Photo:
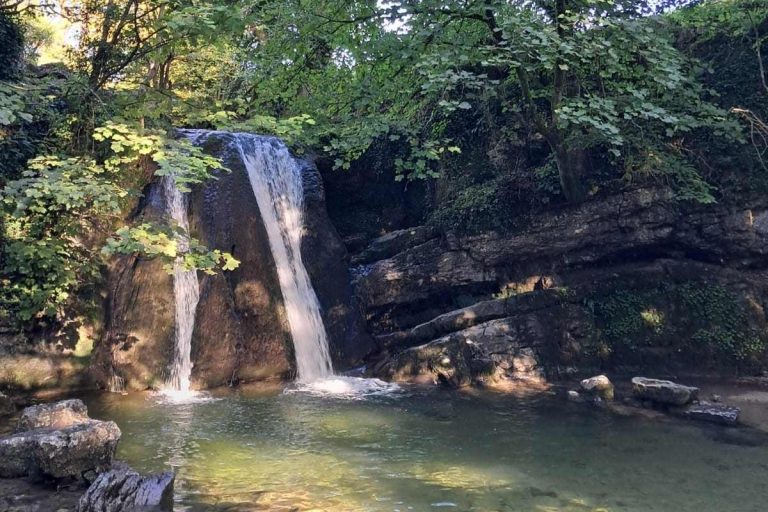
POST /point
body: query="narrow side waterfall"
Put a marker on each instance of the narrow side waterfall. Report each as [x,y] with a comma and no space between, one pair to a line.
[276,180]
[186,292]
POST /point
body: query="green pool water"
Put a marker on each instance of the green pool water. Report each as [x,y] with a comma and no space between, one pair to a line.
[435,450]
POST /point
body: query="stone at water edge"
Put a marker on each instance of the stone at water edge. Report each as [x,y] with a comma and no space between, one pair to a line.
[81,445]
[663,391]
[123,489]
[56,415]
[599,385]
[713,413]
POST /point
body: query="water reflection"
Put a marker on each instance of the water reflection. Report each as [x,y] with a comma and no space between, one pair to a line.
[430,451]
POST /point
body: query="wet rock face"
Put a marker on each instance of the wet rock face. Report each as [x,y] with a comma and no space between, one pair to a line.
[326,260]
[564,265]
[240,328]
[637,226]
[663,392]
[122,489]
[138,339]
[241,332]
[62,442]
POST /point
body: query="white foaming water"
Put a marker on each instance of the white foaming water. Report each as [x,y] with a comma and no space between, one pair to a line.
[276,181]
[186,292]
[352,388]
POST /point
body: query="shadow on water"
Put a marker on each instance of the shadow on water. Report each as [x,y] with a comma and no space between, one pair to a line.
[432,450]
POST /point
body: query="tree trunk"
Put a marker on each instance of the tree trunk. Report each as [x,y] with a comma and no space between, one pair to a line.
[570,166]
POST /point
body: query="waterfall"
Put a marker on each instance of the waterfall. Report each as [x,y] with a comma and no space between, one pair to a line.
[275,177]
[186,292]
[276,180]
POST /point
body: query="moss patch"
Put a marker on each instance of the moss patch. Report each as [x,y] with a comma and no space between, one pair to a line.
[700,323]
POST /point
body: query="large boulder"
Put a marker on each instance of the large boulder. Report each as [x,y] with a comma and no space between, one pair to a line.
[663,392]
[241,332]
[60,453]
[62,443]
[123,489]
[485,353]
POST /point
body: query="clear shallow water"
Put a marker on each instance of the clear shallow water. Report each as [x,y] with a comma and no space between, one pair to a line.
[431,450]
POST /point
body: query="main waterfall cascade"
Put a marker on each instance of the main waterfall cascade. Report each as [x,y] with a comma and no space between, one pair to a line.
[276,180]
[186,292]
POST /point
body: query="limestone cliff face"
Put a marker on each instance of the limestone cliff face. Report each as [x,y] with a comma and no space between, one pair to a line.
[628,280]
[240,332]
[138,339]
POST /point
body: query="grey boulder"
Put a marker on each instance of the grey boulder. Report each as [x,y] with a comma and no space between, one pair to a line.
[124,490]
[62,442]
[663,391]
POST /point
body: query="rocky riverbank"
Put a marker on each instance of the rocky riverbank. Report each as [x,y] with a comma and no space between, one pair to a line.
[634,282]
[58,458]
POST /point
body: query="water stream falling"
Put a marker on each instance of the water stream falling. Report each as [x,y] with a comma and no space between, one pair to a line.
[276,181]
[186,291]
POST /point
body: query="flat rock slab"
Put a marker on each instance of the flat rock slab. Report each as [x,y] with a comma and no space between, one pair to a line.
[56,415]
[123,489]
[663,391]
[713,413]
[60,453]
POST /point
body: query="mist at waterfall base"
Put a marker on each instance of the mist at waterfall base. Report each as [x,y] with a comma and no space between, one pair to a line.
[275,177]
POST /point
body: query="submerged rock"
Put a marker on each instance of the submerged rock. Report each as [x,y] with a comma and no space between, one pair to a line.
[663,391]
[713,413]
[599,386]
[123,489]
[61,442]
